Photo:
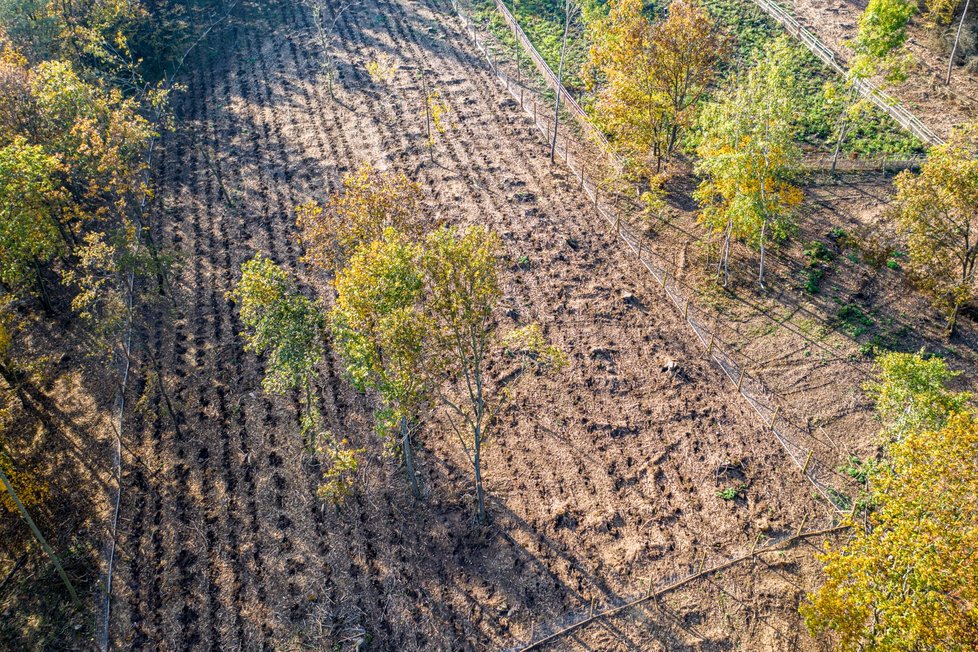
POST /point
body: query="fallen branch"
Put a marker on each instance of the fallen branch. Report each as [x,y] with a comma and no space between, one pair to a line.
[534,645]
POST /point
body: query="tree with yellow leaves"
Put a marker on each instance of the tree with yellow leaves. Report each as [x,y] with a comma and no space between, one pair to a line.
[654,76]
[461,279]
[905,580]
[370,202]
[748,156]
[937,213]
[379,330]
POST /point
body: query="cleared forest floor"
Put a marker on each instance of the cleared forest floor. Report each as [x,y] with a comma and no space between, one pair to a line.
[598,478]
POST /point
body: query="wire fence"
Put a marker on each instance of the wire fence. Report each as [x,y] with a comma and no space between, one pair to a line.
[885,102]
[543,634]
[816,457]
[882,163]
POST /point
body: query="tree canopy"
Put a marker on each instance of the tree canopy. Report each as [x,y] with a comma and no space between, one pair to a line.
[937,214]
[748,156]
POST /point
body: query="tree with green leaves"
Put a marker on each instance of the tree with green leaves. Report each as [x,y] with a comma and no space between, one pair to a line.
[30,198]
[905,578]
[937,214]
[284,326]
[370,202]
[379,330]
[911,394]
[462,290]
[748,156]
[878,52]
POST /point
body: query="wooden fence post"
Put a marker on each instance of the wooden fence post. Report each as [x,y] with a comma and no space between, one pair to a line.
[801,527]
[808,460]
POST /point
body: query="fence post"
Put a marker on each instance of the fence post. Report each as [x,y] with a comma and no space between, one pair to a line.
[808,461]
[801,527]
[740,381]
[774,416]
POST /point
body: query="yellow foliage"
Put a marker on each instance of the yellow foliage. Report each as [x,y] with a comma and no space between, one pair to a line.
[370,202]
[937,213]
[908,581]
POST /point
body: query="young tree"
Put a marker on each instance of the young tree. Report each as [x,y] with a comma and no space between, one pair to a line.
[937,213]
[748,156]
[630,104]
[912,395]
[326,33]
[906,581]
[560,76]
[957,40]
[436,114]
[285,326]
[379,330]
[370,202]
[878,49]
[30,198]
[655,75]
[688,50]
[461,291]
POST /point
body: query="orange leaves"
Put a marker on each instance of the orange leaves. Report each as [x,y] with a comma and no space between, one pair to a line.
[371,201]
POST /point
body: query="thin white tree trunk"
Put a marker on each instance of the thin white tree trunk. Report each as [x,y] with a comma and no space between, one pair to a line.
[40,537]
[957,38]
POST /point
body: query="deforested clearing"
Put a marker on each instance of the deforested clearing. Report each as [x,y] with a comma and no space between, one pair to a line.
[369,354]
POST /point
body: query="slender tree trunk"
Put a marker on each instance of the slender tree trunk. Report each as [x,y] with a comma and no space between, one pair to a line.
[673,137]
[957,38]
[560,80]
[408,452]
[310,426]
[480,495]
[42,289]
[844,128]
[725,253]
[760,275]
[427,117]
[40,538]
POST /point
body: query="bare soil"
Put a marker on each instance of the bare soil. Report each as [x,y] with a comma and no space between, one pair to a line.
[58,432]
[598,478]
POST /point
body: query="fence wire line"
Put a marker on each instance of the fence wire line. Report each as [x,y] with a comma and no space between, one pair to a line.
[702,568]
[885,102]
[805,450]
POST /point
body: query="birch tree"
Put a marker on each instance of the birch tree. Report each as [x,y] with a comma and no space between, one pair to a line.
[748,156]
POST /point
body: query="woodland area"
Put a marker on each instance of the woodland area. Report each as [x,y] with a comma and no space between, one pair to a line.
[524,325]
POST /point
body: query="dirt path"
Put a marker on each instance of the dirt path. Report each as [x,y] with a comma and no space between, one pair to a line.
[598,478]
